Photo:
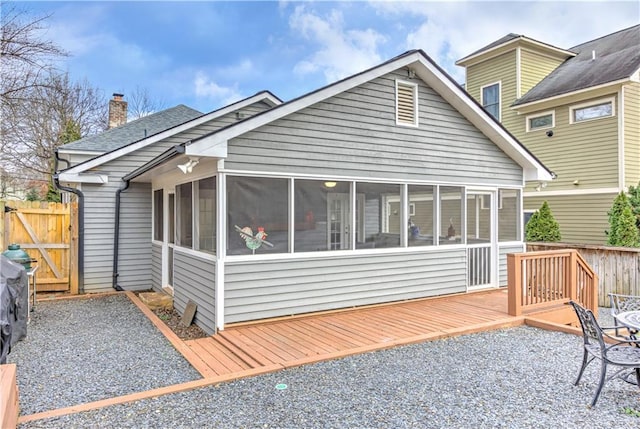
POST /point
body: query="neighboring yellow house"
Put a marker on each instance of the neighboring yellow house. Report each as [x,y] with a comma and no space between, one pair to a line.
[577,111]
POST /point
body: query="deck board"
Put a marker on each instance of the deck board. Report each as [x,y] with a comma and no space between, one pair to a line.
[297,340]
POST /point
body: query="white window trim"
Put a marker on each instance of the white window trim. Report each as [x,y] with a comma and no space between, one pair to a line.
[589,104]
[499,83]
[537,115]
[415,104]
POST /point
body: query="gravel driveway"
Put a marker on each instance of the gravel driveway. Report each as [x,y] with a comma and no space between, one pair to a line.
[513,378]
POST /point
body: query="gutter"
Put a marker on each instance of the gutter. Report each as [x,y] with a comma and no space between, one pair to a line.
[116,237]
[80,195]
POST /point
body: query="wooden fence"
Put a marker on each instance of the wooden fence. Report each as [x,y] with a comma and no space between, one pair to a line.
[618,268]
[46,232]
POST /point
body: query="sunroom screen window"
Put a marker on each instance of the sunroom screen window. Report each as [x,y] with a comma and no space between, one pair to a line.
[184,219]
[450,215]
[316,203]
[258,220]
[491,100]
[509,215]
[377,226]
[158,218]
[207,214]
[420,224]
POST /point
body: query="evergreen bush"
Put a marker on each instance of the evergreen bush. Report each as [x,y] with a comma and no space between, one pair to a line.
[623,231]
[543,226]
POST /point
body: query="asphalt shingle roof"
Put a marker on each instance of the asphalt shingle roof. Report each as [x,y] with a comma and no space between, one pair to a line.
[133,131]
[617,56]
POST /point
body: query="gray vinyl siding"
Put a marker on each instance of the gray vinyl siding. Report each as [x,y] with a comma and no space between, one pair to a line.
[156,267]
[134,256]
[262,289]
[193,279]
[583,218]
[135,238]
[355,134]
[503,251]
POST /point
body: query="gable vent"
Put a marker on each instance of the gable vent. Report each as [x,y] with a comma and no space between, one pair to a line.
[406,103]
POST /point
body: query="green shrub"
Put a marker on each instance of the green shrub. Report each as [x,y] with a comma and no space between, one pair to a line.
[623,231]
[543,226]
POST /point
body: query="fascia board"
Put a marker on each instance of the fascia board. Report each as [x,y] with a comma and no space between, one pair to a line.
[200,145]
[83,178]
[558,99]
[216,150]
[78,152]
[505,47]
[110,156]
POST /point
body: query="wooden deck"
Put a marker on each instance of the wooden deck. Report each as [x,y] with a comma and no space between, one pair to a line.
[293,341]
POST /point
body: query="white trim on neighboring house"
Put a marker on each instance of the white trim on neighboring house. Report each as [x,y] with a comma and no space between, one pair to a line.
[110,156]
[590,103]
[537,115]
[518,72]
[569,94]
[572,192]
[424,69]
[621,160]
[79,152]
[499,83]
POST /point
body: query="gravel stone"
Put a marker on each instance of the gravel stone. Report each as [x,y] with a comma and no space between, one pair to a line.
[510,378]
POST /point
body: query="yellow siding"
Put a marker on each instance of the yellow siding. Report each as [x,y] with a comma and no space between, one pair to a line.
[585,151]
[534,67]
[632,133]
[582,218]
[501,68]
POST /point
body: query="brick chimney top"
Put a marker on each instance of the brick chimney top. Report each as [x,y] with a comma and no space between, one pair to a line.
[117,111]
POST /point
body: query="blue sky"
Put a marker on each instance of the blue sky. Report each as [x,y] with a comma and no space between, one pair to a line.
[207,54]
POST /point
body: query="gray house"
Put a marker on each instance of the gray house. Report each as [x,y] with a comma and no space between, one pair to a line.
[114,246]
[391,184]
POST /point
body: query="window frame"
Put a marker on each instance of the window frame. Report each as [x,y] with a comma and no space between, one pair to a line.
[414,88]
[592,103]
[539,115]
[482,103]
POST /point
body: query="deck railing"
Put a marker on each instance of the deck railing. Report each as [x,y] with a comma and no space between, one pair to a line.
[545,279]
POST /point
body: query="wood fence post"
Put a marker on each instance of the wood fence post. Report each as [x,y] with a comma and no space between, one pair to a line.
[2,228]
[514,284]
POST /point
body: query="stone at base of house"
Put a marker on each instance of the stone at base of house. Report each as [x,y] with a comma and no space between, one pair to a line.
[157,300]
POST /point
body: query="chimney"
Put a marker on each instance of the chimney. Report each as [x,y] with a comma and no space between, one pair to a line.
[117,111]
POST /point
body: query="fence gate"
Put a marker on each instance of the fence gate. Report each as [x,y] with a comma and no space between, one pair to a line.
[44,231]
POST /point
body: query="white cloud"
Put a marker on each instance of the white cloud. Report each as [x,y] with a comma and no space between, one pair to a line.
[448,31]
[340,52]
[205,87]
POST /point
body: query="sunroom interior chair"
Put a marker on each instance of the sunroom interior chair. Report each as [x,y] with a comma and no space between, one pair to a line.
[621,303]
[620,353]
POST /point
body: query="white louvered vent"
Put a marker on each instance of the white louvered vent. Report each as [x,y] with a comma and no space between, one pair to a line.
[406,104]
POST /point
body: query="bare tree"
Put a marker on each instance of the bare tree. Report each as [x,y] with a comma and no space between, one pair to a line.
[140,104]
[43,119]
[24,55]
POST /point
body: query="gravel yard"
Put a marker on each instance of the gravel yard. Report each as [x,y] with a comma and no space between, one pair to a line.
[512,378]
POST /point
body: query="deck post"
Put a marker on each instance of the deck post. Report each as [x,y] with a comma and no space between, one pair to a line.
[573,275]
[514,284]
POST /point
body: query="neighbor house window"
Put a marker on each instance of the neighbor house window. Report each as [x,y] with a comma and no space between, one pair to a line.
[540,121]
[490,99]
[420,224]
[406,103]
[450,215]
[184,201]
[589,111]
[377,226]
[207,215]
[257,215]
[158,218]
[509,215]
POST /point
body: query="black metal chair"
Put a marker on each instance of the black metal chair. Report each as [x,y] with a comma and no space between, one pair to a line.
[620,353]
[620,303]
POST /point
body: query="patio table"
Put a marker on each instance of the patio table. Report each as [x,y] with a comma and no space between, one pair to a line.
[630,319]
